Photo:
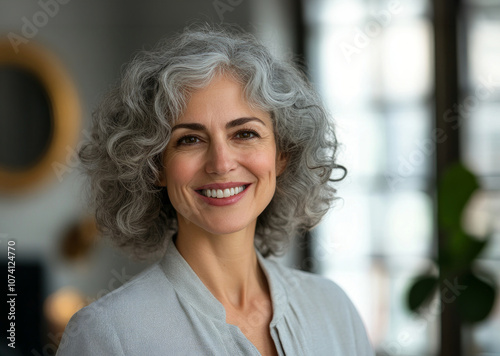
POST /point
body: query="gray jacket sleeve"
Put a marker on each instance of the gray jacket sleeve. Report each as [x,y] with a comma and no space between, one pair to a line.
[89,333]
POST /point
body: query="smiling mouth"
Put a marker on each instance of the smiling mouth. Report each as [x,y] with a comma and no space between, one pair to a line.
[222,193]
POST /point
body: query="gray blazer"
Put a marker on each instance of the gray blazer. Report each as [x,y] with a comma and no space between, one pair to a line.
[167,310]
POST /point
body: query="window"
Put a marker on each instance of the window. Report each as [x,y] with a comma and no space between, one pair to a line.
[372,62]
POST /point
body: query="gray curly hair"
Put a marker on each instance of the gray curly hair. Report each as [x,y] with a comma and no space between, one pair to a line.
[132,127]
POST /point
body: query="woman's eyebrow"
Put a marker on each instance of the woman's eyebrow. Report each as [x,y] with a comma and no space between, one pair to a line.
[230,124]
[193,126]
[243,120]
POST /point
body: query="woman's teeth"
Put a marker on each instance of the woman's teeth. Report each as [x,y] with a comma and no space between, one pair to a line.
[222,193]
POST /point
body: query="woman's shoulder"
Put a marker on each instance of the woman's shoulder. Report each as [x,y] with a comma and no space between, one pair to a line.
[148,283]
[312,294]
[314,302]
[298,282]
[102,323]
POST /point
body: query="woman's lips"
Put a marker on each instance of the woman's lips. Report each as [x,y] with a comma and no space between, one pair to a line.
[222,185]
[223,193]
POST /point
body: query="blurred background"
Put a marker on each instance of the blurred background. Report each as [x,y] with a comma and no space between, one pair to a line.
[414,87]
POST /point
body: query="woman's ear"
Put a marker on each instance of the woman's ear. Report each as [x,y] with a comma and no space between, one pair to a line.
[281,162]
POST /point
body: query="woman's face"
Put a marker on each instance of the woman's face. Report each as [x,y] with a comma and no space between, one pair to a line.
[220,164]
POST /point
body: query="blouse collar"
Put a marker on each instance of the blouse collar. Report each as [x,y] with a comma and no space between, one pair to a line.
[191,288]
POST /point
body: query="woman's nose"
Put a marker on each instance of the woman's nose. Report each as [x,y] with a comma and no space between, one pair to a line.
[220,158]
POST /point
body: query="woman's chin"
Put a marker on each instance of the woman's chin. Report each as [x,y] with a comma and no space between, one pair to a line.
[226,227]
[216,224]
[227,230]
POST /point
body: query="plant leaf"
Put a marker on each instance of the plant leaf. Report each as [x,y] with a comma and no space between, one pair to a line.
[475,302]
[421,291]
[463,248]
[454,191]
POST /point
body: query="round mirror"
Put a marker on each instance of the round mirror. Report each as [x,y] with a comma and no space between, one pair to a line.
[25,130]
[39,115]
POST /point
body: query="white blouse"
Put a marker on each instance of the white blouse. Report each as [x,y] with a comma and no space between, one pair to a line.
[167,310]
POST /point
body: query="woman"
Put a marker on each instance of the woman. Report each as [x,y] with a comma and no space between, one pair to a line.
[219,154]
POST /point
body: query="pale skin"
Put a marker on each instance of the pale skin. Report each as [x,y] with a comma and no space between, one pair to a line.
[221,139]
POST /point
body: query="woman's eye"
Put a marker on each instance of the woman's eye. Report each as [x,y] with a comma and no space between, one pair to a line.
[246,135]
[188,140]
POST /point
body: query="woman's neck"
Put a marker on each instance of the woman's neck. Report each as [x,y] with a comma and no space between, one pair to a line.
[226,264]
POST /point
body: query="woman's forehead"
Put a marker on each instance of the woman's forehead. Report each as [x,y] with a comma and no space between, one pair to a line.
[222,100]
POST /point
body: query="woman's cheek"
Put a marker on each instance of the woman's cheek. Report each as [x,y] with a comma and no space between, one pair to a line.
[179,172]
[262,162]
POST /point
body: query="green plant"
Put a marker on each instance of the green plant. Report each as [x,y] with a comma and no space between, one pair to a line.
[476,291]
